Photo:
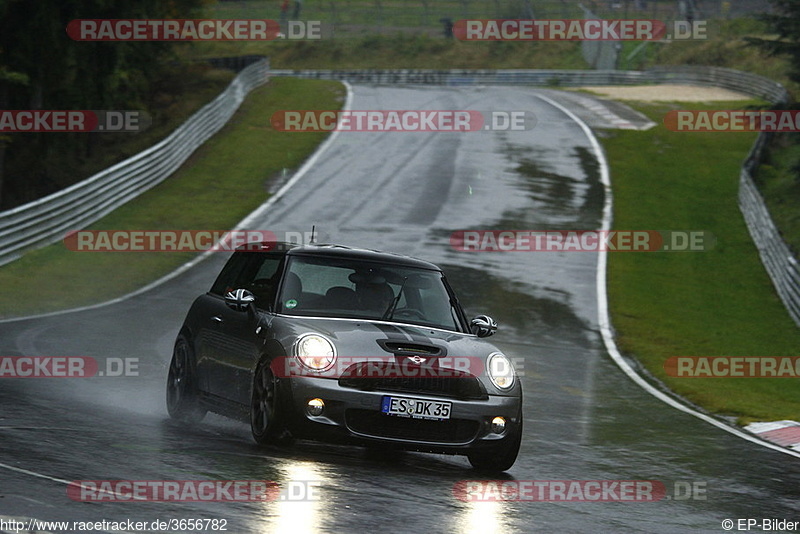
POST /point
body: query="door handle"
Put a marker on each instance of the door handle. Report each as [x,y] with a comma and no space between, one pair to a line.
[217,319]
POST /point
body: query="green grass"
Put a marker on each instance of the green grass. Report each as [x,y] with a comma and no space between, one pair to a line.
[412,44]
[355,17]
[712,303]
[724,47]
[222,182]
[401,51]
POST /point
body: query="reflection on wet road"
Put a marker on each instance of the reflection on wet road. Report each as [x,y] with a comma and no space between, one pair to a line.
[402,192]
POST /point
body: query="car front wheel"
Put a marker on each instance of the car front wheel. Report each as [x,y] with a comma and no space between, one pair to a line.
[183,403]
[266,421]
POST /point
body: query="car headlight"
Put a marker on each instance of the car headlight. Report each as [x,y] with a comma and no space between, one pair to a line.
[315,351]
[500,371]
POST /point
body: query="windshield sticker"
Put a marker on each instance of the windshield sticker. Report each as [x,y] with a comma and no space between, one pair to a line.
[291,303]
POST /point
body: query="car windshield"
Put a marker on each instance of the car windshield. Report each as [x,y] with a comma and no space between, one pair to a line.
[349,288]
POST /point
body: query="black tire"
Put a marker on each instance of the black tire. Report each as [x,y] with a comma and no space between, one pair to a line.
[183,402]
[266,418]
[499,458]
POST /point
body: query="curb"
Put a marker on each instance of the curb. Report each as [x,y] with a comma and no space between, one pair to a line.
[784,433]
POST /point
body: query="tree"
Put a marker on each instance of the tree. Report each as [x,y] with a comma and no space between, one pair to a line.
[785,21]
[42,68]
[8,78]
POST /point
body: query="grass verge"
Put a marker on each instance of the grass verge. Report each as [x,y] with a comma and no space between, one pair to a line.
[401,51]
[718,302]
[247,153]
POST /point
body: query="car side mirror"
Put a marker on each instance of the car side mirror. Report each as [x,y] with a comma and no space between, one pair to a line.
[240,299]
[483,326]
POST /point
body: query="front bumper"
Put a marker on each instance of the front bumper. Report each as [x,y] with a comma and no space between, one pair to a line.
[354,416]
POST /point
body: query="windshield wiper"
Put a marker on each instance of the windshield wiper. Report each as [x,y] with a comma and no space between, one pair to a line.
[390,310]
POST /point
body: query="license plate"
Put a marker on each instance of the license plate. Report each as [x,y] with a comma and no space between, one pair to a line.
[416,408]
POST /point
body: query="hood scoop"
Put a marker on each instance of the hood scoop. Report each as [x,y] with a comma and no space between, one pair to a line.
[410,348]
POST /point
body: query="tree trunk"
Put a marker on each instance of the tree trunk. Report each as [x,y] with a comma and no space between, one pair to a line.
[3,142]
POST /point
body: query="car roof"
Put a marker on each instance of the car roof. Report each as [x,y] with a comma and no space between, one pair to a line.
[342,251]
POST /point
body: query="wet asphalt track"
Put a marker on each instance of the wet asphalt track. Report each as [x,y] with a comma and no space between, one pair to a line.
[404,192]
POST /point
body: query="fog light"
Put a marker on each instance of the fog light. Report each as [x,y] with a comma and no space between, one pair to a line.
[499,425]
[315,407]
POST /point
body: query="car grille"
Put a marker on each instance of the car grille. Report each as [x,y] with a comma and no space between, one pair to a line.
[379,376]
[377,424]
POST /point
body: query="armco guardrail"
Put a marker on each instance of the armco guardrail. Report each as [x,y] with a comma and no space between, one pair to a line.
[566,78]
[742,82]
[776,256]
[48,219]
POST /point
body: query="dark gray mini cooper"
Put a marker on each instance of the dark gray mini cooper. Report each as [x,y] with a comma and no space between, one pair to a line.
[338,344]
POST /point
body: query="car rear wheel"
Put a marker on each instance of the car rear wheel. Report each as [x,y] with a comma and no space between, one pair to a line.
[266,420]
[183,402]
[499,458]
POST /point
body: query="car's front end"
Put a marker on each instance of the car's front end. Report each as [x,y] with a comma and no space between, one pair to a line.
[398,385]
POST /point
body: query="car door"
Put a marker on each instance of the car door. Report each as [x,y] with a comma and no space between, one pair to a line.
[232,348]
[229,344]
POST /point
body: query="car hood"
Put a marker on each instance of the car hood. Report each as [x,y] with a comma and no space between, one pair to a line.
[362,338]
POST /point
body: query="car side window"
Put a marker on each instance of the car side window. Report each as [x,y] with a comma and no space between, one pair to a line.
[230,273]
[264,282]
[256,272]
[268,267]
